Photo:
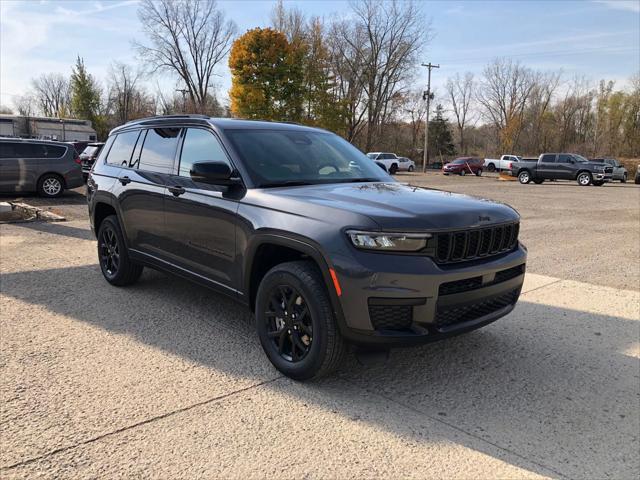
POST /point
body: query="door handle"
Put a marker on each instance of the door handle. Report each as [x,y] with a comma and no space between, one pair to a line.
[124,180]
[177,191]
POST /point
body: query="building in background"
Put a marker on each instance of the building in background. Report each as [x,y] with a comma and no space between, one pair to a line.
[47,128]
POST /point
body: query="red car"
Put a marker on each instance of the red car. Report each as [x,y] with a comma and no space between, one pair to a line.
[464,166]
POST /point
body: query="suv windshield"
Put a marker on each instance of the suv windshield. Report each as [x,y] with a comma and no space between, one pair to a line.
[580,158]
[288,157]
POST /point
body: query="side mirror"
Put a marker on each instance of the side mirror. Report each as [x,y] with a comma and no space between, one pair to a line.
[214,173]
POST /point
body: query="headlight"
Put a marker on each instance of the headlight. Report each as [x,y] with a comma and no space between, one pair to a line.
[390,241]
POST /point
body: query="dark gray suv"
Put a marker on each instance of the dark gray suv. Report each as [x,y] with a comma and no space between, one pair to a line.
[321,244]
[41,166]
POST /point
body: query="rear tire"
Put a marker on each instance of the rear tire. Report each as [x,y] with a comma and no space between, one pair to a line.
[117,268]
[479,172]
[584,179]
[393,169]
[50,185]
[624,178]
[462,173]
[296,292]
[491,167]
[524,177]
[411,169]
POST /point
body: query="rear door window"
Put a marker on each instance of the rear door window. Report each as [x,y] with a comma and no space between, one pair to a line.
[548,158]
[562,158]
[159,150]
[122,148]
[199,146]
[53,151]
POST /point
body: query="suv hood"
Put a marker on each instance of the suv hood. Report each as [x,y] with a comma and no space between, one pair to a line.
[394,206]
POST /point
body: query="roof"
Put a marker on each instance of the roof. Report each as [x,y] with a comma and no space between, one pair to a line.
[32,140]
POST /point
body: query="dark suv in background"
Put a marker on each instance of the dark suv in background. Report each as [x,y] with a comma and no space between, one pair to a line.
[321,244]
[88,157]
[46,167]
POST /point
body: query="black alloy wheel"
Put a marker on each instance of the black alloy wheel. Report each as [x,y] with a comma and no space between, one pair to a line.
[289,324]
[109,252]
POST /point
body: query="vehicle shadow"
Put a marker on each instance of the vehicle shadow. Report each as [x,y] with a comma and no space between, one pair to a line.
[58,228]
[69,197]
[527,390]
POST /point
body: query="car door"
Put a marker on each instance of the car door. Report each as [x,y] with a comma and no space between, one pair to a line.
[9,167]
[565,166]
[547,166]
[200,218]
[142,190]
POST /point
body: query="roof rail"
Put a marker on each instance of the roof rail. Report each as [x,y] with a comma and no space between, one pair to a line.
[159,117]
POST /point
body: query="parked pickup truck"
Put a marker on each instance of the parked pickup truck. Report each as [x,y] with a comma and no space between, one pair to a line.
[493,164]
[563,166]
[390,160]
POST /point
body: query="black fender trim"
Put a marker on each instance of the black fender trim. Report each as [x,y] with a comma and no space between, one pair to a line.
[302,244]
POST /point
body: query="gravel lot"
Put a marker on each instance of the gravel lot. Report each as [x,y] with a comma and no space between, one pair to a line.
[167,380]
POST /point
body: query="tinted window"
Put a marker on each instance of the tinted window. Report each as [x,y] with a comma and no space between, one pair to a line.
[158,150]
[53,151]
[90,150]
[7,150]
[122,147]
[564,158]
[548,158]
[199,146]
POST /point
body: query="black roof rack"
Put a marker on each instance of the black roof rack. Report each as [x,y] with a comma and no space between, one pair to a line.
[160,117]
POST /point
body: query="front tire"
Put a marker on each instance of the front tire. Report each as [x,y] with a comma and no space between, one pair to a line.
[393,169]
[295,322]
[584,179]
[50,185]
[624,178]
[117,268]
[524,177]
[411,169]
[462,173]
[479,172]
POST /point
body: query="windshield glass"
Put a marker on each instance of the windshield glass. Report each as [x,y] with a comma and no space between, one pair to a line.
[88,151]
[580,158]
[289,157]
[460,161]
[372,155]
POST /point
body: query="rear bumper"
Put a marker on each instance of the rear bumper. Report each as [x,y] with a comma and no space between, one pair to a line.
[409,300]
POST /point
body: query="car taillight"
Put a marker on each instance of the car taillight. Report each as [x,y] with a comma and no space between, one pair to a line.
[77,159]
[510,166]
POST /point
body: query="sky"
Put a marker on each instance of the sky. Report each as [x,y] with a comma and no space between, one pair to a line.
[597,39]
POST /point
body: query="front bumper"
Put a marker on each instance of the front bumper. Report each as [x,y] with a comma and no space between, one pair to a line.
[395,300]
[599,177]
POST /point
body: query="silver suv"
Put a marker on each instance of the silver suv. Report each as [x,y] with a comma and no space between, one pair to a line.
[46,167]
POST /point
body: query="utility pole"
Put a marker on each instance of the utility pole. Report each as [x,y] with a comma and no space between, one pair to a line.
[428,96]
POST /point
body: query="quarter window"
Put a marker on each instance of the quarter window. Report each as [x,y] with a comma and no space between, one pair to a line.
[158,150]
[122,147]
[53,151]
[199,146]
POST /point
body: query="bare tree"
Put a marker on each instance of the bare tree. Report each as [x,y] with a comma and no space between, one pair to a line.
[4,110]
[52,94]
[189,38]
[25,105]
[504,92]
[416,107]
[394,33]
[290,21]
[126,99]
[460,90]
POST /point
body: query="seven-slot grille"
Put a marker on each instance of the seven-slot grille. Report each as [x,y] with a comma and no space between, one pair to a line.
[471,244]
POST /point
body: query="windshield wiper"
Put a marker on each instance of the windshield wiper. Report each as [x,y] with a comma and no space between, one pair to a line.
[288,183]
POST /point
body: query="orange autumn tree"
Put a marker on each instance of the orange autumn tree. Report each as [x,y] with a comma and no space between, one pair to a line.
[266,76]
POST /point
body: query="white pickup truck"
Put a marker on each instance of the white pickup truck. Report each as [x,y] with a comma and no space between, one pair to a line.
[493,164]
[390,160]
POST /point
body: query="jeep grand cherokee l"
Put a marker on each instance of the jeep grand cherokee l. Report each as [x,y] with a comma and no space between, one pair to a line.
[321,244]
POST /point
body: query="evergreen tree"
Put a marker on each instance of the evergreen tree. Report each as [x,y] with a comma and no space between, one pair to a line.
[440,137]
[85,96]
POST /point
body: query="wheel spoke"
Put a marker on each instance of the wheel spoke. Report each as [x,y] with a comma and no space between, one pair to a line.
[283,336]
